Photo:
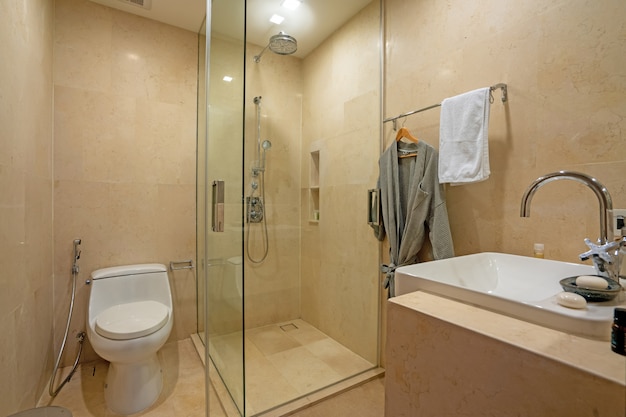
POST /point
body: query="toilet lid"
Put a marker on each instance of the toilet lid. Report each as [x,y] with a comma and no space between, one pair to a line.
[132,320]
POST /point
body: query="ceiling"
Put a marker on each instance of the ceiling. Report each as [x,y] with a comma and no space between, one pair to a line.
[186,14]
[310,24]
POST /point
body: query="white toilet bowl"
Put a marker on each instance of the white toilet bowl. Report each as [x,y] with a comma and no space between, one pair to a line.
[128,320]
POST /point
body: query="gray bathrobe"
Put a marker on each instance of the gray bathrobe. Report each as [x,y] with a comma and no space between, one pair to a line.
[411,199]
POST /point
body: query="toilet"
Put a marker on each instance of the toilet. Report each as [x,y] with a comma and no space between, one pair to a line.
[129,319]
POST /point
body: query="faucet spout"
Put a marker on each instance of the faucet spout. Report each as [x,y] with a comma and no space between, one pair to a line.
[604,198]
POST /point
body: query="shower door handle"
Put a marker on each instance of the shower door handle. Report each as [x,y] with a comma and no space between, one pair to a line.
[217,217]
[373,207]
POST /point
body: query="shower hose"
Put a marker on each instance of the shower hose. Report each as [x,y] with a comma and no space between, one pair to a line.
[257,102]
[80,336]
[264,231]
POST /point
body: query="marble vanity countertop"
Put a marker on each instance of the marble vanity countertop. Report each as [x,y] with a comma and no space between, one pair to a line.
[592,356]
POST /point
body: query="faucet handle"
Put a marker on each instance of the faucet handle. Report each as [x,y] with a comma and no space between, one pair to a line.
[601,251]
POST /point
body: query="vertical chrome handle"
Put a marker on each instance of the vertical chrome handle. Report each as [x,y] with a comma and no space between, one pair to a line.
[217,223]
[373,207]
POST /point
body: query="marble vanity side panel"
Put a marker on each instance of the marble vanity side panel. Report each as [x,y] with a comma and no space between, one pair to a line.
[435,368]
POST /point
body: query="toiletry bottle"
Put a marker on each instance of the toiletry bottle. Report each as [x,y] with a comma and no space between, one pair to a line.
[538,250]
[618,332]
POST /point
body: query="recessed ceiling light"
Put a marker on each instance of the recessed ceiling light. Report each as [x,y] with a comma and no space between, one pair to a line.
[227,78]
[291,4]
[277,19]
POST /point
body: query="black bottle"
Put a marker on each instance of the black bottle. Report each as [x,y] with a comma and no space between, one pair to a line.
[618,333]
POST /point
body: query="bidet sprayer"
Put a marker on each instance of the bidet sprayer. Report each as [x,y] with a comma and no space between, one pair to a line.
[76,256]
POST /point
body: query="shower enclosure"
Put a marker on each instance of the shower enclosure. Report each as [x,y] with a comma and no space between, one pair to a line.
[289,139]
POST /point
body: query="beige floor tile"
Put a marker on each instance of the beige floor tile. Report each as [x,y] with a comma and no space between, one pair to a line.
[215,406]
[304,332]
[303,370]
[279,369]
[182,394]
[271,339]
[266,386]
[367,400]
[339,358]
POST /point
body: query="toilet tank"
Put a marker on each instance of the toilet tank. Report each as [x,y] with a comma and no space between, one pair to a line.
[127,284]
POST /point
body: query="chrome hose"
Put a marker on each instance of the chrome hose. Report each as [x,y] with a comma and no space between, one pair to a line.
[80,336]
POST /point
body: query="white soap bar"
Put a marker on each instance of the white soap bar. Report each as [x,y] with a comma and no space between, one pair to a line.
[591,282]
[571,300]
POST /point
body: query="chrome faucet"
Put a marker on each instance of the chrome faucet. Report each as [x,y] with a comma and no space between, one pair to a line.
[606,254]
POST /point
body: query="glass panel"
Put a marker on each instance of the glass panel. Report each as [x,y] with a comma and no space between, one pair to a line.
[201,199]
[224,150]
[297,150]
[312,142]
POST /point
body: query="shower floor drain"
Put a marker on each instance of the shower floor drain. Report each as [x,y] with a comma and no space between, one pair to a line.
[288,327]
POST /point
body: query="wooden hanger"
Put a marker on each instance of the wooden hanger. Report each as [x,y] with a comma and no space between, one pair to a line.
[404,133]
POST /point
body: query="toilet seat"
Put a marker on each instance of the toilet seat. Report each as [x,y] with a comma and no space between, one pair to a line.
[131,320]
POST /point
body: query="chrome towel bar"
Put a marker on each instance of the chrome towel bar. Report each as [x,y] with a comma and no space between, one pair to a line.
[501,86]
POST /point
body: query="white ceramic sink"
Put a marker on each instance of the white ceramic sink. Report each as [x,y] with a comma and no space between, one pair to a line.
[518,286]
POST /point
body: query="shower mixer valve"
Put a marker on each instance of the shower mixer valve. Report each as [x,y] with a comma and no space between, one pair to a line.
[254,207]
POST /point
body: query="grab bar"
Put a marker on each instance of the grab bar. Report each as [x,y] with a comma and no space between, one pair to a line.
[175,265]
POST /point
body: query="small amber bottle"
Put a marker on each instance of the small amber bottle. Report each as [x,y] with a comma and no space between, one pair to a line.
[618,333]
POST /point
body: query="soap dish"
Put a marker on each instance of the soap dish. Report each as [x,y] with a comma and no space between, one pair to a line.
[592,295]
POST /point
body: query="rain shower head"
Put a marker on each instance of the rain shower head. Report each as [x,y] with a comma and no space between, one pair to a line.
[281,44]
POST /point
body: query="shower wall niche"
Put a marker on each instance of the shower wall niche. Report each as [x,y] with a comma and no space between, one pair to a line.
[314,187]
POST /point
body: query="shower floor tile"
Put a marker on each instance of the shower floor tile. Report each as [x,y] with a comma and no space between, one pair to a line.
[271,339]
[284,361]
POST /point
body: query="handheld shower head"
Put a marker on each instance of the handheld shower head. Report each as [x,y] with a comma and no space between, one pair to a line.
[266,145]
[281,44]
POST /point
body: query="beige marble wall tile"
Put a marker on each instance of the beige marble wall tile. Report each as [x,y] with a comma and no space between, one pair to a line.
[83,47]
[339,282]
[278,80]
[563,64]
[125,126]
[26,246]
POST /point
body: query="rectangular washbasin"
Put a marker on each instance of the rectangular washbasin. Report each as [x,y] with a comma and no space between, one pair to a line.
[517,286]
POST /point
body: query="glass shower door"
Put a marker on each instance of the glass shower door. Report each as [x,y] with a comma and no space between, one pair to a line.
[223,187]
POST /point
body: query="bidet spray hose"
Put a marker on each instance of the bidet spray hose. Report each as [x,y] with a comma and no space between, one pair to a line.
[80,336]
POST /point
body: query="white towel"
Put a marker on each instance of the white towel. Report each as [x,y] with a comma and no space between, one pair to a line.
[463,142]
